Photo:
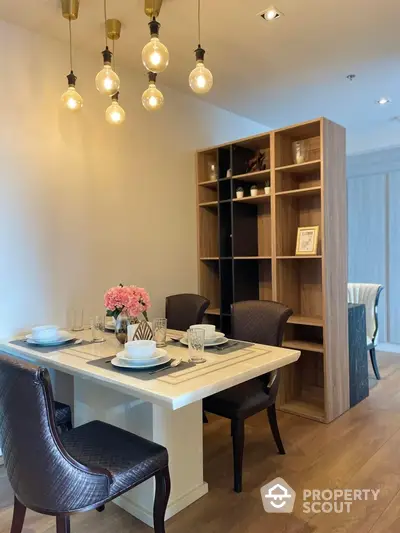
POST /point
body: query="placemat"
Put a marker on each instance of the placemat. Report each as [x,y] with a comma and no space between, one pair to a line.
[230,347]
[49,349]
[144,373]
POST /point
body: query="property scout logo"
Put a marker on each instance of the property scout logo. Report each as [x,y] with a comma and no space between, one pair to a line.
[279,497]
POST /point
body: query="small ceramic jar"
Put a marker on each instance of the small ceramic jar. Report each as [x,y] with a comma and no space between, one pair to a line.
[239,192]
[254,190]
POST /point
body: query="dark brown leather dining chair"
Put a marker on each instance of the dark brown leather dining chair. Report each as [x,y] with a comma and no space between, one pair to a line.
[78,470]
[260,322]
[184,310]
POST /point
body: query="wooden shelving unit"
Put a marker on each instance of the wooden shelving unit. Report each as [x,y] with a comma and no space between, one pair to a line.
[247,251]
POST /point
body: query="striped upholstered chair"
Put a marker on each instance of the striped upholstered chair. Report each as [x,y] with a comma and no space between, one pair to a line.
[368,294]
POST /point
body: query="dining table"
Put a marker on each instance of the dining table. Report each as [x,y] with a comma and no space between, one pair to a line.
[165,407]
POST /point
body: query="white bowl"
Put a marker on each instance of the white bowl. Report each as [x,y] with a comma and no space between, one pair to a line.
[140,349]
[45,333]
[209,330]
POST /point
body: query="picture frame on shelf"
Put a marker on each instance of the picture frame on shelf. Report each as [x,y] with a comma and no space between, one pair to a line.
[307,240]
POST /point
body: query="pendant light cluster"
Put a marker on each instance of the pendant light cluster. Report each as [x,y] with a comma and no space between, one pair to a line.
[155,58]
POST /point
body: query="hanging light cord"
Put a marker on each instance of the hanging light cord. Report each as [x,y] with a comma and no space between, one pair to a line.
[70,43]
[199,20]
[113,55]
[105,22]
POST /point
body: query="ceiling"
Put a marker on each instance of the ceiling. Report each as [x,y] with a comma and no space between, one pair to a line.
[276,73]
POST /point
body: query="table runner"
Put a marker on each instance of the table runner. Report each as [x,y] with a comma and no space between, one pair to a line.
[144,373]
[49,349]
[224,349]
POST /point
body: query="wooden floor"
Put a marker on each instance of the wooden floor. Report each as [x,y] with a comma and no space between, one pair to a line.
[359,450]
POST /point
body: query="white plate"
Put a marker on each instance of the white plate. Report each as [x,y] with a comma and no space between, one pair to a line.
[158,354]
[120,363]
[63,338]
[207,344]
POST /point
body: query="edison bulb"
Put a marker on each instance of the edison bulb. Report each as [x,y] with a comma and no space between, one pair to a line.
[71,99]
[155,56]
[115,114]
[107,81]
[200,79]
[152,98]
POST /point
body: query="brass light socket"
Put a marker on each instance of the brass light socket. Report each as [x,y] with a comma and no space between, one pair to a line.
[70,9]
[152,8]
[113,27]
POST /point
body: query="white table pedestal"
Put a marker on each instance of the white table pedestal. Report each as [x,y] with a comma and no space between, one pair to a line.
[180,431]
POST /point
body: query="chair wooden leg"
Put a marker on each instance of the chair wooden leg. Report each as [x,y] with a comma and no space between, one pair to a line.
[237,431]
[374,362]
[163,488]
[63,524]
[274,428]
[18,516]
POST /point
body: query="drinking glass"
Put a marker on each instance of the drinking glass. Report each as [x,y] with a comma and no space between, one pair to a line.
[196,338]
[212,170]
[77,320]
[160,332]
[97,325]
[300,152]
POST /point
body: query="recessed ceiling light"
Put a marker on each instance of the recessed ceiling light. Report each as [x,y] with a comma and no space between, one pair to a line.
[383,101]
[271,13]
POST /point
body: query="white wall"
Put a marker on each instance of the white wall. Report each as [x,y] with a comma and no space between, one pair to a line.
[84,205]
[374,230]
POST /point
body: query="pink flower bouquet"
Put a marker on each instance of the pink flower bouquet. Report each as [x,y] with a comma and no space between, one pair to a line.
[134,300]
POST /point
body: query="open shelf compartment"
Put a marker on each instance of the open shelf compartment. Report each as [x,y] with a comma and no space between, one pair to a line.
[293,212]
[300,288]
[309,132]
[246,151]
[301,390]
[252,230]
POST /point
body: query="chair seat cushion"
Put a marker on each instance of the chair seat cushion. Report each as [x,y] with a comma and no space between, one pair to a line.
[129,458]
[240,401]
[62,413]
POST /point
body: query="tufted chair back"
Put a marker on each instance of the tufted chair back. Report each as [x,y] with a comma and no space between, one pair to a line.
[367,294]
[262,322]
[42,474]
[184,310]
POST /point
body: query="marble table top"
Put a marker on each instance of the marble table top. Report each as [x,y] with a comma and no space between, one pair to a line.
[174,390]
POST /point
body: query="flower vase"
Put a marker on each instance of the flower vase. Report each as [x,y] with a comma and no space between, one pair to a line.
[122,322]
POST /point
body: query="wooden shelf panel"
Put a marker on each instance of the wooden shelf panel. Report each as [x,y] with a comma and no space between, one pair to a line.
[211,184]
[305,408]
[256,257]
[301,168]
[299,256]
[305,346]
[260,199]
[257,177]
[213,311]
[306,320]
[307,191]
[209,258]
[214,203]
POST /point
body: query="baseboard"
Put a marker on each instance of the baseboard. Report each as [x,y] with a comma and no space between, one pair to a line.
[387,347]
[174,507]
